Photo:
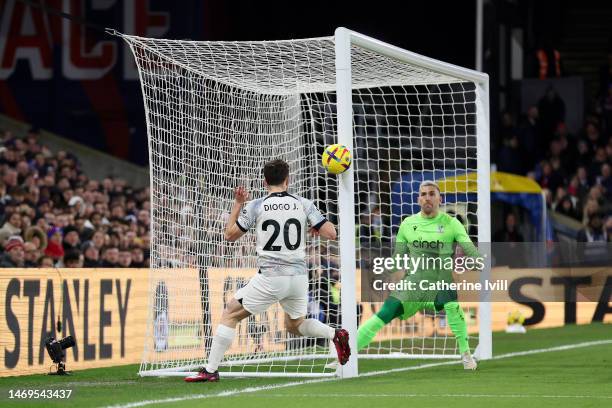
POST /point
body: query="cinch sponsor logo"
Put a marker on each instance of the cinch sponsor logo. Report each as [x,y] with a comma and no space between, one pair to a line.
[437,244]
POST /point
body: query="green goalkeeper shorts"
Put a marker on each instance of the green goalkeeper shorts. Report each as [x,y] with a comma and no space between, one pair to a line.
[411,307]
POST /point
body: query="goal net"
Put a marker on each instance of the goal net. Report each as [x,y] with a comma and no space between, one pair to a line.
[217,111]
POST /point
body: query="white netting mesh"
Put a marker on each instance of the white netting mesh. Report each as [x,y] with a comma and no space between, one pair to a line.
[216,112]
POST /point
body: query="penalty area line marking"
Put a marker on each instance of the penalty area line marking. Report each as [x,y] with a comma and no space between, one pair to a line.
[234,392]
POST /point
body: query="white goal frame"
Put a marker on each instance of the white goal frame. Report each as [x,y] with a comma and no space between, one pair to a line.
[344,41]
[344,38]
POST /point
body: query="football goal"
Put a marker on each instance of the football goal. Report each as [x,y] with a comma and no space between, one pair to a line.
[217,111]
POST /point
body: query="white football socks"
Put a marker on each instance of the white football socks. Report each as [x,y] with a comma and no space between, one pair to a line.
[314,328]
[221,342]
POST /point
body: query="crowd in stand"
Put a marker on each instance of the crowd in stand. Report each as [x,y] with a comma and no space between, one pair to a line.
[574,170]
[53,215]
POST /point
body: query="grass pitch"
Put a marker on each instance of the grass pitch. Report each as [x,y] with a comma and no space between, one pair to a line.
[574,377]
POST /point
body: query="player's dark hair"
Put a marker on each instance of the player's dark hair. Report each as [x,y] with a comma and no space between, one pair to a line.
[276,172]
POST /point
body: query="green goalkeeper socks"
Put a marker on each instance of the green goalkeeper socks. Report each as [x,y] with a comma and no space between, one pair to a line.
[456,322]
[391,309]
[368,330]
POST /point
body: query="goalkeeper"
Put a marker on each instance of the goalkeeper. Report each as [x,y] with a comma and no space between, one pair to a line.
[429,235]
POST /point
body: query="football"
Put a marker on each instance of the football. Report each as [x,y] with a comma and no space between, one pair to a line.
[336,159]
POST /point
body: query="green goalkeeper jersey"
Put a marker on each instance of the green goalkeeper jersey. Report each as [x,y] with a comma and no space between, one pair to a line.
[433,241]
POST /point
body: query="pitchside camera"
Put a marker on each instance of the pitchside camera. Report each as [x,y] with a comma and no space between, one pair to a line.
[56,348]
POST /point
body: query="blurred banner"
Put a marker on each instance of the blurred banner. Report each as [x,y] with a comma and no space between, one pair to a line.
[105,310]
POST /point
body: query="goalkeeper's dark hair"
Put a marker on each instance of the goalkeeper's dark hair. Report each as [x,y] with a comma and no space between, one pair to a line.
[276,172]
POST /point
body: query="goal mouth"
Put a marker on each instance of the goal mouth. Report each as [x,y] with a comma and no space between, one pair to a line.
[217,111]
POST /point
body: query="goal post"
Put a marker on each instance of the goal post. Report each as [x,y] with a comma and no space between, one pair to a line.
[346,197]
[217,111]
[344,40]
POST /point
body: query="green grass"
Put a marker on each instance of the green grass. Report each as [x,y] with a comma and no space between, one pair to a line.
[573,378]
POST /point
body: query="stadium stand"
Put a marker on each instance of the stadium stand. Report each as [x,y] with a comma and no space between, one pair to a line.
[53,214]
[573,169]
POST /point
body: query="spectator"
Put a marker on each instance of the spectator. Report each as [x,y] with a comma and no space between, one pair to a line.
[558,169]
[583,155]
[138,260]
[510,232]
[594,230]
[91,255]
[84,228]
[54,246]
[559,195]
[33,196]
[76,204]
[23,170]
[99,240]
[592,135]
[71,238]
[11,227]
[598,160]
[117,211]
[596,194]
[143,218]
[9,177]
[110,257]
[552,112]
[567,207]
[572,188]
[506,130]
[125,259]
[131,206]
[591,207]
[550,179]
[73,259]
[114,239]
[510,157]
[14,256]
[31,255]
[583,182]
[556,152]
[605,180]
[47,262]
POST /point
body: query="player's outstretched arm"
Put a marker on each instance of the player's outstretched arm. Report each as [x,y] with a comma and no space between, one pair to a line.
[327,230]
[232,229]
[320,226]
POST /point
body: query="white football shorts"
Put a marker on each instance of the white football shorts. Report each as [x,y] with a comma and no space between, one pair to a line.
[262,292]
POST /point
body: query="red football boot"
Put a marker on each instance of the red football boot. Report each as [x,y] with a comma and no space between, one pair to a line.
[203,376]
[341,341]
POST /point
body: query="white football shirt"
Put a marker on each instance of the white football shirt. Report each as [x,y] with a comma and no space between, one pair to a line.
[281,222]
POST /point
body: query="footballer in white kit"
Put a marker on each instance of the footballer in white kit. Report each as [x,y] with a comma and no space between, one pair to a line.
[281,221]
